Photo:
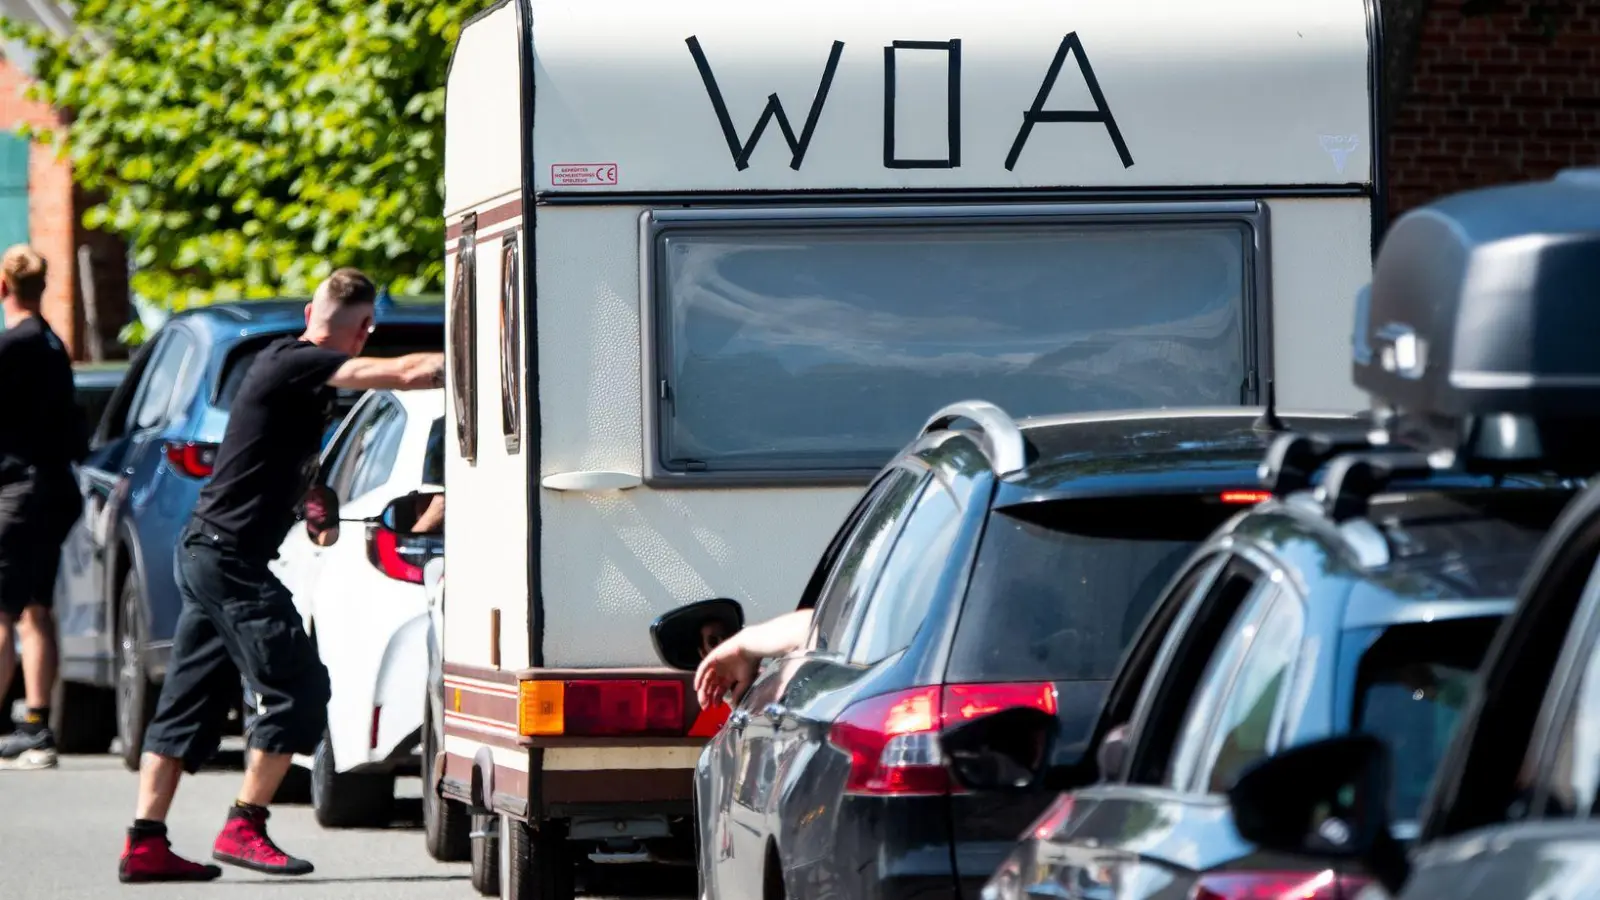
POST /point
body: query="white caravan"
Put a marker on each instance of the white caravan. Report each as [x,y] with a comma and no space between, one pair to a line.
[710,264]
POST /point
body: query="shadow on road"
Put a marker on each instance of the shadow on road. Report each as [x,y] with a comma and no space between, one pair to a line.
[364,879]
[640,881]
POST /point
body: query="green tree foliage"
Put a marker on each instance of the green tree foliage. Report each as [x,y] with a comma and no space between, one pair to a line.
[244,149]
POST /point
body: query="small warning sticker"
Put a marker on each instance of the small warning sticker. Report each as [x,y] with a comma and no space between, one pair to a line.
[583,175]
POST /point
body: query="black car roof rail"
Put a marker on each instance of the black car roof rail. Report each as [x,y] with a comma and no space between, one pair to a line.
[1292,459]
[1353,479]
[1002,441]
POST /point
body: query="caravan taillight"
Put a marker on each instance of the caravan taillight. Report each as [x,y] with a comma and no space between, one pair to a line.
[601,708]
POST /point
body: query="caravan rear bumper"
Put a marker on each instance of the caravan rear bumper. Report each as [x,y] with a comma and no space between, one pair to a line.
[490,765]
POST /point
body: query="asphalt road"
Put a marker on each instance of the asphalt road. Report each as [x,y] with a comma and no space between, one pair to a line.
[61,833]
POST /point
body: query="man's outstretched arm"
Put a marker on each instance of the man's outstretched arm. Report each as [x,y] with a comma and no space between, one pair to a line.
[414,371]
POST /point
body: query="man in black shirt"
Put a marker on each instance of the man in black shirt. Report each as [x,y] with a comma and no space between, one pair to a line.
[41,435]
[238,618]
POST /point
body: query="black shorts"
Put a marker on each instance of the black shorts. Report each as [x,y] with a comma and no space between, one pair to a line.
[36,514]
[237,619]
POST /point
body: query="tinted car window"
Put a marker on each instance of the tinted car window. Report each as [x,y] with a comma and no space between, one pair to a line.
[1244,731]
[862,558]
[1218,673]
[376,462]
[1574,780]
[1411,685]
[1060,588]
[905,590]
[161,380]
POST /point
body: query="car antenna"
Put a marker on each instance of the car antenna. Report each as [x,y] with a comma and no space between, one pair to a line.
[1269,420]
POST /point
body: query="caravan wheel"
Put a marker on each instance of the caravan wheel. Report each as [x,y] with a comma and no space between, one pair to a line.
[485,854]
[535,865]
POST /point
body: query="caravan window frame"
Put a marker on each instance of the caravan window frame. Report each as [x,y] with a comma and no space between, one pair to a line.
[657,344]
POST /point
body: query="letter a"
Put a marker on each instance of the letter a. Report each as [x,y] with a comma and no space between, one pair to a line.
[1101,112]
[774,110]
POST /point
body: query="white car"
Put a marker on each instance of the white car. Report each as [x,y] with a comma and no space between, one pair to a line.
[364,604]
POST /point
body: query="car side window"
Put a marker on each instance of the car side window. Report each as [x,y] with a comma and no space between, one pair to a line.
[905,590]
[861,558]
[353,445]
[337,447]
[1213,684]
[161,381]
[375,463]
[1571,772]
[1244,732]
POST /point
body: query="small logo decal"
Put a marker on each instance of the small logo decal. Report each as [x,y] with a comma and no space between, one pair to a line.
[1340,147]
[584,175]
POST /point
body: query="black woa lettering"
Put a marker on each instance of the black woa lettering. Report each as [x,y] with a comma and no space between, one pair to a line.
[1036,114]
[774,110]
[1101,112]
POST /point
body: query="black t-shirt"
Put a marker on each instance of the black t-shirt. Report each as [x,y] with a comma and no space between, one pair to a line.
[41,425]
[269,451]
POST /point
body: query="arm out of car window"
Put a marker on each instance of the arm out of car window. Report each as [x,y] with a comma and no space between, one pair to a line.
[731,666]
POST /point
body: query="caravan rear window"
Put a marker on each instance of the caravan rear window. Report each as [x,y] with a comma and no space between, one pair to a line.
[799,346]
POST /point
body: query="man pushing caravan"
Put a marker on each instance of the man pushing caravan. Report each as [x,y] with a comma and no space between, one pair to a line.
[237,617]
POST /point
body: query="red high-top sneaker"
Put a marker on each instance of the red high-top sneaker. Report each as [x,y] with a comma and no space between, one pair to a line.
[149,857]
[244,842]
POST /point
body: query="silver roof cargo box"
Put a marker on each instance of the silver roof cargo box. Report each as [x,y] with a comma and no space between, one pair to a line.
[1480,334]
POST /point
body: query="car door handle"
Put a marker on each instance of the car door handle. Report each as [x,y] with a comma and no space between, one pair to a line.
[738,719]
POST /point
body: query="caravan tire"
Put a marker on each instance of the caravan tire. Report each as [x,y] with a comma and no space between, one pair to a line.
[485,856]
[446,826]
[535,865]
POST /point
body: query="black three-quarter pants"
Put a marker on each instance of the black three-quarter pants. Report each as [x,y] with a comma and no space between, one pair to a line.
[37,512]
[237,618]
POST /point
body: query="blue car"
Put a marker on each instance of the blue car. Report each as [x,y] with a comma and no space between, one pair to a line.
[116,600]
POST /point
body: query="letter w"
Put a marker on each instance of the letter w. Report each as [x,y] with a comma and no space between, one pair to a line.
[774,110]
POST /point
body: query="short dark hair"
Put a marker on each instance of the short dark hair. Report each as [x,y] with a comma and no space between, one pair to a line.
[350,287]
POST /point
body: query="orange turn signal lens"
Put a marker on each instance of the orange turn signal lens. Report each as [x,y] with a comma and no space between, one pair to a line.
[541,707]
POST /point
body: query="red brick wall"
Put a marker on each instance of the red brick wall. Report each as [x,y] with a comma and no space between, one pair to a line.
[50,206]
[1493,98]
[54,230]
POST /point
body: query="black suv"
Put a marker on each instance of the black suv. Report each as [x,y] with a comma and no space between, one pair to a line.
[1365,603]
[995,565]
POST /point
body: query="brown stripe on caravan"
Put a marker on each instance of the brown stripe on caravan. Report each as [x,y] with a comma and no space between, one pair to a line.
[451,247]
[494,215]
[481,673]
[482,733]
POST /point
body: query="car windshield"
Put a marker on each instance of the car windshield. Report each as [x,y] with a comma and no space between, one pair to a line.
[1060,588]
[1411,685]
